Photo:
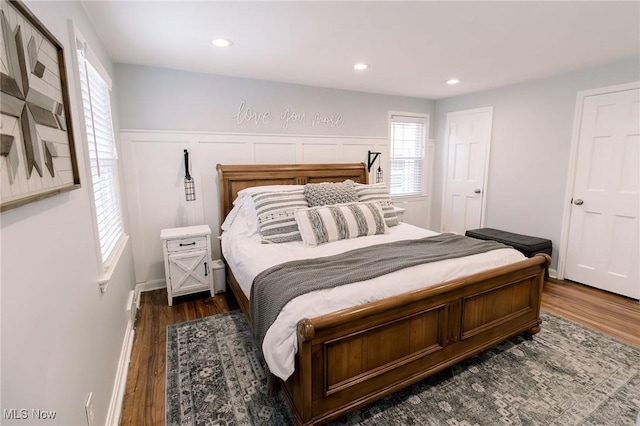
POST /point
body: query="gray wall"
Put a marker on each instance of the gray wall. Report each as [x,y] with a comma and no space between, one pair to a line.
[162,99]
[158,100]
[61,337]
[531,140]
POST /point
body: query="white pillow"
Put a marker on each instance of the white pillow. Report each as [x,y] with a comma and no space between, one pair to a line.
[267,188]
[231,216]
[324,224]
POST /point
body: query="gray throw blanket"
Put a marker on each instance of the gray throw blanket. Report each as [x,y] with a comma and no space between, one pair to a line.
[273,288]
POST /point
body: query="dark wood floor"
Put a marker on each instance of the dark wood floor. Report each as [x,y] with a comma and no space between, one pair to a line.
[144,394]
[145,391]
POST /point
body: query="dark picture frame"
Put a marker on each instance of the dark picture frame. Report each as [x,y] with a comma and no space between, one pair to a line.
[37,151]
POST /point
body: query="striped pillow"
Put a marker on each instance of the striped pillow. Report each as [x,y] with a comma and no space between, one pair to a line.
[378,192]
[324,224]
[275,210]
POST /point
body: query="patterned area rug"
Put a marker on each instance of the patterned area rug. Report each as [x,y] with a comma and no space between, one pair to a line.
[566,375]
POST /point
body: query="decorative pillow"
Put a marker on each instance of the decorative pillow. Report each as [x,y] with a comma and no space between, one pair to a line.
[329,193]
[245,197]
[378,192]
[275,214]
[323,224]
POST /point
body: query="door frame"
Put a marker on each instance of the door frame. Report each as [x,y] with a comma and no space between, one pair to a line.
[573,165]
[485,178]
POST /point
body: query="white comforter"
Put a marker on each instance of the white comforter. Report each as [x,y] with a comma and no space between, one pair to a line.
[247,257]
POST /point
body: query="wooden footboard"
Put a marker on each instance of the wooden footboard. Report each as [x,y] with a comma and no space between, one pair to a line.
[350,358]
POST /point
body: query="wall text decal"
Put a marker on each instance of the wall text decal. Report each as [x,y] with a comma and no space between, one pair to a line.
[247,114]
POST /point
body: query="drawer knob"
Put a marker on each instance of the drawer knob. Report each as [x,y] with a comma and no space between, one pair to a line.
[187,244]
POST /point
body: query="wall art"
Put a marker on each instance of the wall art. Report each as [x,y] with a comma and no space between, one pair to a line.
[37,153]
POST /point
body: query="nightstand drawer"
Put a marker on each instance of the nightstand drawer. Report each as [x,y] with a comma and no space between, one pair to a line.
[187,244]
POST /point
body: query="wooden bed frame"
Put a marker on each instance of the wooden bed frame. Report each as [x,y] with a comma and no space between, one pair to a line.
[353,357]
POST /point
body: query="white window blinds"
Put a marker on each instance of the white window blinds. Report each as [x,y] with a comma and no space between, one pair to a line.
[407,155]
[96,99]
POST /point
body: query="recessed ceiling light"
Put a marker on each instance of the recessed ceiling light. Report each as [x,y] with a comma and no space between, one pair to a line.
[221,42]
[360,67]
[453,81]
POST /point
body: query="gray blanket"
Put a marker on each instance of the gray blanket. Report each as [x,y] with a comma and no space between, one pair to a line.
[273,288]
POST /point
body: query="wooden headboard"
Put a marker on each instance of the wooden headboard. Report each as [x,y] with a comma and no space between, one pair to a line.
[234,178]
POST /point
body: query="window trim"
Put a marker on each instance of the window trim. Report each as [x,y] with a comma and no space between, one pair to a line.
[105,267]
[412,117]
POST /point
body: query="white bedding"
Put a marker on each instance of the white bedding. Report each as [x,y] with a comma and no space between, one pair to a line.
[247,257]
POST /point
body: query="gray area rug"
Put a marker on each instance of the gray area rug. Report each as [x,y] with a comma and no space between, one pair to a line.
[566,375]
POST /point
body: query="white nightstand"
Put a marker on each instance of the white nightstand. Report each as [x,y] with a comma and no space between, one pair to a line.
[187,260]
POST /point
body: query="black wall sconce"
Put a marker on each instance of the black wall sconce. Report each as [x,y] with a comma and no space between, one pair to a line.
[373,156]
[189,184]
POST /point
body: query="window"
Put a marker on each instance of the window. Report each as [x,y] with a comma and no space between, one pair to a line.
[407,142]
[96,100]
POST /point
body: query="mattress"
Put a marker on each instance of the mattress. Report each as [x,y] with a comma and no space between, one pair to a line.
[246,256]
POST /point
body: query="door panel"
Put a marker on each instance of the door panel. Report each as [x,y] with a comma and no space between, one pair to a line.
[603,239]
[469,136]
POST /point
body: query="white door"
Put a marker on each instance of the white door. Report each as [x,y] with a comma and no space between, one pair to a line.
[603,238]
[468,140]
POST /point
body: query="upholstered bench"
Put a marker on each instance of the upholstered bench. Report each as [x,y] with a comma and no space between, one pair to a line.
[529,246]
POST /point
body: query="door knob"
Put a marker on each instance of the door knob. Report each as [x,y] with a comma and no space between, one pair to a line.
[477,190]
[578,202]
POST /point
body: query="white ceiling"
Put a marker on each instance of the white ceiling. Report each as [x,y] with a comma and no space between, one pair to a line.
[412,47]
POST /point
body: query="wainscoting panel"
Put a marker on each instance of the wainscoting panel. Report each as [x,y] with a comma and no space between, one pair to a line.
[353,153]
[155,200]
[274,153]
[320,153]
[154,174]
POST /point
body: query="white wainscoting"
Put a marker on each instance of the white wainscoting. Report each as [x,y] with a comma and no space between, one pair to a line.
[154,176]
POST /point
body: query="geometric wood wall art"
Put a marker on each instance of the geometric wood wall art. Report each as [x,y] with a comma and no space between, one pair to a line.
[37,155]
[50,153]
[10,152]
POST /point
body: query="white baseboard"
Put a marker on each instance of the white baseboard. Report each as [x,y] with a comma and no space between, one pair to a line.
[148,286]
[132,307]
[553,273]
[115,405]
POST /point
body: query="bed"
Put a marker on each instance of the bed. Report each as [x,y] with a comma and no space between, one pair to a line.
[351,357]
